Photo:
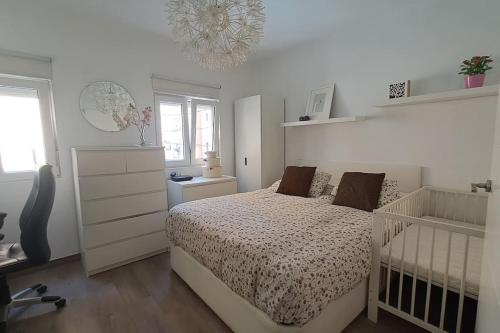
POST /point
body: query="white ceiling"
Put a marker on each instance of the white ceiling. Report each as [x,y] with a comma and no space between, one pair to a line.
[288,22]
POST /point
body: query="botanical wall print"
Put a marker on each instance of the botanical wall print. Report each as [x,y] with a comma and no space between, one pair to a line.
[104,104]
[320,103]
[399,89]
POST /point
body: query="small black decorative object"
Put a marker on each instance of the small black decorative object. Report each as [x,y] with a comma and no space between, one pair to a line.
[304,118]
[179,178]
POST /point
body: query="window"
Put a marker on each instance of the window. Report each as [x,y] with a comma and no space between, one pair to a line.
[27,139]
[187,129]
[204,135]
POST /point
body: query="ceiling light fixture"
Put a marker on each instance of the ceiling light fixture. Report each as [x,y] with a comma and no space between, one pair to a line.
[217,34]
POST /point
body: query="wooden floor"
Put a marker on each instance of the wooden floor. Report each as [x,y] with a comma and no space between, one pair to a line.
[145,296]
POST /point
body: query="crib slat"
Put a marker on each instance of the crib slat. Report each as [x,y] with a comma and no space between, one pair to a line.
[415,274]
[465,207]
[476,208]
[436,197]
[389,262]
[429,277]
[446,205]
[445,282]
[455,208]
[422,204]
[401,269]
[462,286]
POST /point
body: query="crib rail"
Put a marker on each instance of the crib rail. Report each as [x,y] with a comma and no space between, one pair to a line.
[443,211]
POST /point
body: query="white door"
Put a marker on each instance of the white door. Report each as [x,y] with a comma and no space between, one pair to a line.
[247,143]
[489,296]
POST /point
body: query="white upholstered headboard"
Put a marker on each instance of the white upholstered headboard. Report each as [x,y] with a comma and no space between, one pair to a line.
[409,177]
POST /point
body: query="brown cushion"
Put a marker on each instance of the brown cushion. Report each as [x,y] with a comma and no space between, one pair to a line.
[359,190]
[296,181]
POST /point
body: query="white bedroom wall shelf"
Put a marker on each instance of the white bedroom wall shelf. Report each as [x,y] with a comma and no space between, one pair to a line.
[442,96]
[325,121]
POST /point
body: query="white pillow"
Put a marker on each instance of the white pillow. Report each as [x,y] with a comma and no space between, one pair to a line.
[388,193]
[318,184]
[330,190]
[274,186]
[328,198]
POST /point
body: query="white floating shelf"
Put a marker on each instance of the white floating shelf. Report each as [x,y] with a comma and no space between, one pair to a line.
[325,121]
[442,96]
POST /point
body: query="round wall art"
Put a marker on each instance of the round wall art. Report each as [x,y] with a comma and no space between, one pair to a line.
[106,105]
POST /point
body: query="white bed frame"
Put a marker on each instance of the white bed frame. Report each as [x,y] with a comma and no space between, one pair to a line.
[243,317]
[451,211]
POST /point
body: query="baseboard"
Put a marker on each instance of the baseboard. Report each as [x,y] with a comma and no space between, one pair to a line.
[52,263]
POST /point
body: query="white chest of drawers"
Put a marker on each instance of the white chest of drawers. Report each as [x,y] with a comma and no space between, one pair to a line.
[121,204]
[200,188]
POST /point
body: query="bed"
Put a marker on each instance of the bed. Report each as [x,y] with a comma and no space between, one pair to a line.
[266,262]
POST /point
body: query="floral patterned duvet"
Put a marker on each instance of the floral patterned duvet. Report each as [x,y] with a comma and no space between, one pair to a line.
[289,256]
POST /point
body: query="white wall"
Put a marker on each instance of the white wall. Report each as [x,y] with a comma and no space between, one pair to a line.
[86,49]
[423,41]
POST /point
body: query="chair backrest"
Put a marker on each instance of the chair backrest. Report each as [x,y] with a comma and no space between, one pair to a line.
[35,216]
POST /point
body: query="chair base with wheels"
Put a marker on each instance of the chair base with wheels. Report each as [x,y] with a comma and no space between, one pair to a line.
[20,299]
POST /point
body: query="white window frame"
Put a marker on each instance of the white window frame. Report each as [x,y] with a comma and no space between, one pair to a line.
[159,99]
[189,138]
[44,91]
[194,104]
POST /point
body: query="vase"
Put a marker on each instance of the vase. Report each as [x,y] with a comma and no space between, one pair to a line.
[142,139]
[474,81]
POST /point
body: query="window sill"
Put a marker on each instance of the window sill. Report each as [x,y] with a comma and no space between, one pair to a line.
[24,176]
[10,177]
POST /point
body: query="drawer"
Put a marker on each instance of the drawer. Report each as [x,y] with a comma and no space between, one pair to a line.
[124,251]
[115,208]
[105,233]
[100,162]
[145,160]
[115,185]
[208,191]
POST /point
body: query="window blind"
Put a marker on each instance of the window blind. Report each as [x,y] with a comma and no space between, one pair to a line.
[27,65]
[185,88]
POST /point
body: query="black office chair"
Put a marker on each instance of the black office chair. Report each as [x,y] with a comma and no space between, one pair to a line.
[33,250]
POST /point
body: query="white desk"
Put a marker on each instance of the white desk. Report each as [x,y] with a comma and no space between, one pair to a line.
[200,188]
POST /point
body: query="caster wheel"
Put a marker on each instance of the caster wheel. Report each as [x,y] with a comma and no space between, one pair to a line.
[60,303]
[41,290]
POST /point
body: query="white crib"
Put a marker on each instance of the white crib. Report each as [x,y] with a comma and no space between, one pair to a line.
[431,235]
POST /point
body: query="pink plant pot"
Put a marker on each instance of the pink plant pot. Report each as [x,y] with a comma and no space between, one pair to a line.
[474,81]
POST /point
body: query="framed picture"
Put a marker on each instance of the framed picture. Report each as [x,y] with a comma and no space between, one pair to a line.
[320,102]
[399,89]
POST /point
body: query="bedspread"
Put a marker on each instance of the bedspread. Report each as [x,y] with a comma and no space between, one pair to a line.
[288,256]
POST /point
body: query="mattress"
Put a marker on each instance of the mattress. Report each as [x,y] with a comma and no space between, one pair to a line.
[457,253]
[288,256]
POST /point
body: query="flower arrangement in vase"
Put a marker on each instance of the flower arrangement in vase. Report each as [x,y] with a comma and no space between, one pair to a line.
[133,117]
[474,70]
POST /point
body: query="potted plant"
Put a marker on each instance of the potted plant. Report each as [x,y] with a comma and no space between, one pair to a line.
[474,70]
